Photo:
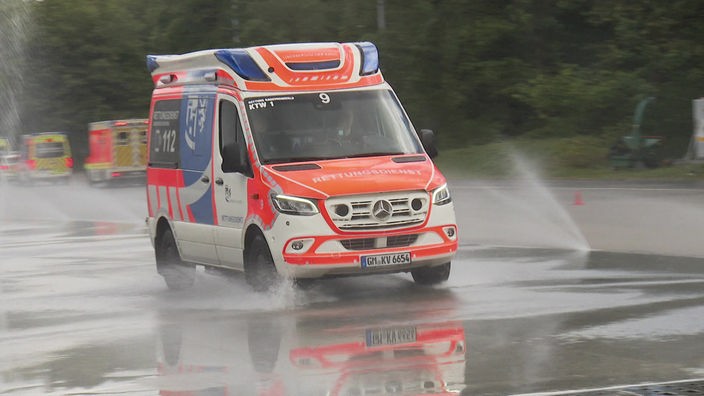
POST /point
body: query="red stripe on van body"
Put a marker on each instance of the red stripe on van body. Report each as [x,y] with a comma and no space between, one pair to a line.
[169,178]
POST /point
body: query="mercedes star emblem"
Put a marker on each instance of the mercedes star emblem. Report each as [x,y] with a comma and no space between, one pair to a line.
[382,210]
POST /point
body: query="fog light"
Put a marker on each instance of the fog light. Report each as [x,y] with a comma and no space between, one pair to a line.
[299,246]
[342,210]
[450,231]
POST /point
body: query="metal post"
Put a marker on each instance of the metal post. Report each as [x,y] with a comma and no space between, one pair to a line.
[380,15]
[638,118]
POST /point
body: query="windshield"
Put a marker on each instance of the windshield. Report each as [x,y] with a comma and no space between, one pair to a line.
[317,126]
[49,150]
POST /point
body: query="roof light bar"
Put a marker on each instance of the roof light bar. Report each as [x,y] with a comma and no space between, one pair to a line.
[370,58]
[243,64]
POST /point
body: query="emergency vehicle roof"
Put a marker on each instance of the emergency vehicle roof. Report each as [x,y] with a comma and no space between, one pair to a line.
[35,134]
[117,123]
[304,66]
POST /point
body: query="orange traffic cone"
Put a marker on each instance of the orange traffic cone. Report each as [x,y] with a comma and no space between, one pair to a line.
[578,199]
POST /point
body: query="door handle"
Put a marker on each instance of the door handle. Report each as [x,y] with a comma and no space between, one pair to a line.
[205,179]
[219,181]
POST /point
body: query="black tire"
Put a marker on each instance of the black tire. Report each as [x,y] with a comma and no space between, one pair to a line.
[431,275]
[177,273]
[259,269]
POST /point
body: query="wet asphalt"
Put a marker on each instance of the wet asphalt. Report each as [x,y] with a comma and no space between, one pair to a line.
[558,288]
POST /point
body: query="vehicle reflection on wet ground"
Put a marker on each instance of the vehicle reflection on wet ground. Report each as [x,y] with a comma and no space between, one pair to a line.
[323,350]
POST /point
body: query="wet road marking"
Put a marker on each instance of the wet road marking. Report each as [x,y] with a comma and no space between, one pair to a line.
[611,388]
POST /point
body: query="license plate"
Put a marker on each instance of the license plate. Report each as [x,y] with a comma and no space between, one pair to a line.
[390,336]
[380,260]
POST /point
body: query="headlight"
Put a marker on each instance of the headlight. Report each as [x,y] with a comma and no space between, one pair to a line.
[294,205]
[441,195]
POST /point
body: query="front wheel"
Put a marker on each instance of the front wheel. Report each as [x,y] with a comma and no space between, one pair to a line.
[431,275]
[259,269]
[177,273]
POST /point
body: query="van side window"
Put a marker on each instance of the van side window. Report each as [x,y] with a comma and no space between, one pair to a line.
[164,136]
[233,147]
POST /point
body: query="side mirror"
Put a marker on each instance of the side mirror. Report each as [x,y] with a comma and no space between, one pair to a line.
[232,160]
[427,138]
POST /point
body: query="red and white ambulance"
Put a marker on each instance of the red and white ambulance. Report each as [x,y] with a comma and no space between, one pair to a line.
[291,161]
[118,151]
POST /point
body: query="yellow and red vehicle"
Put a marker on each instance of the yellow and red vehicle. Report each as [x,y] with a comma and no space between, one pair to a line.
[45,156]
[118,150]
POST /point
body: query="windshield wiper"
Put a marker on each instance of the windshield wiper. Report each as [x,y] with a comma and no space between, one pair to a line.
[309,159]
[296,159]
[375,154]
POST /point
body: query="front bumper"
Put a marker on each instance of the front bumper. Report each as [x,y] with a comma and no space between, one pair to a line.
[304,253]
[43,174]
[323,258]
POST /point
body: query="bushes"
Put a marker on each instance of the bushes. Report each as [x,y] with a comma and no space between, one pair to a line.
[580,152]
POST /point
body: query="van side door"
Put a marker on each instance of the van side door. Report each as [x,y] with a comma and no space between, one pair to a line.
[178,179]
[231,170]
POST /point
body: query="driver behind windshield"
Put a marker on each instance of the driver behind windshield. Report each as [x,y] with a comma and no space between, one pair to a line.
[314,127]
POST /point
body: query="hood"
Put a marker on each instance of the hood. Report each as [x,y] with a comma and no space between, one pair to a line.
[354,176]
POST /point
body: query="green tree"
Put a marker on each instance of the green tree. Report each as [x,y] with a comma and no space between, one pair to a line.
[14,22]
[473,70]
[87,64]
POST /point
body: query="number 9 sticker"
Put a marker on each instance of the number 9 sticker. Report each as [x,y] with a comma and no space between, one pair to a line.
[324,98]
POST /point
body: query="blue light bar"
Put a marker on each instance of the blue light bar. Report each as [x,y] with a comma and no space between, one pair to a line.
[243,64]
[151,63]
[370,58]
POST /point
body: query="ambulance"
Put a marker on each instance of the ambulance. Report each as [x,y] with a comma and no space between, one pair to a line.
[45,156]
[118,151]
[5,146]
[8,160]
[291,161]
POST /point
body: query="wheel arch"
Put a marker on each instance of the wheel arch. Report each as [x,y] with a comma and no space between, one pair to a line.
[162,225]
[252,231]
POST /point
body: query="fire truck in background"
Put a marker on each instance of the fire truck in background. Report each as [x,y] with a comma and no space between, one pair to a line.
[117,151]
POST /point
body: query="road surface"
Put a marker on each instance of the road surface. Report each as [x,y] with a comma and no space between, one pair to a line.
[560,289]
